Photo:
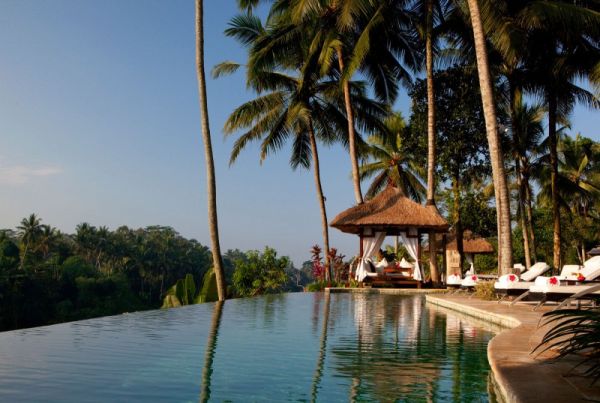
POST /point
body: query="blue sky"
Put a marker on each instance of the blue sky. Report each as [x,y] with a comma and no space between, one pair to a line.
[99,122]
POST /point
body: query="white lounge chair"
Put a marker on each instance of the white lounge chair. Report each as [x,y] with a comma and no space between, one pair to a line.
[512,285]
[453,281]
[469,282]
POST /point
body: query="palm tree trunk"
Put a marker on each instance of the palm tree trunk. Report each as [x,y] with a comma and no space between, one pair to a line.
[208,155]
[530,217]
[515,101]
[351,132]
[321,200]
[458,228]
[552,143]
[435,277]
[22,263]
[489,111]
[521,212]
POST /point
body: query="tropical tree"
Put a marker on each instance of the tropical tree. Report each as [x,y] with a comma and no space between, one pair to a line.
[525,148]
[462,155]
[349,35]
[211,183]
[390,161]
[546,47]
[578,183]
[493,137]
[304,108]
[29,231]
[260,273]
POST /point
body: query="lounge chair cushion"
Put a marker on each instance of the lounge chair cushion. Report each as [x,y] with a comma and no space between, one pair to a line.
[534,271]
[469,281]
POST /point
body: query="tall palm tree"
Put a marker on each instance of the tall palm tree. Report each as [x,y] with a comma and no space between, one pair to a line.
[430,12]
[496,155]
[578,177]
[208,156]
[304,108]
[391,162]
[527,133]
[29,231]
[557,67]
[550,44]
[352,34]
[48,235]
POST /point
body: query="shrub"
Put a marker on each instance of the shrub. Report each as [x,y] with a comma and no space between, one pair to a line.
[485,290]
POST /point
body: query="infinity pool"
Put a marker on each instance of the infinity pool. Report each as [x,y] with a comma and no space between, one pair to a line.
[292,347]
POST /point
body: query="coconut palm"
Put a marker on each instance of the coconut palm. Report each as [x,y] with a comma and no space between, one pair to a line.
[29,231]
[578,178]
[496,154]
[208,155]
[304,108]
[527,133]
[389,161]
[47,237]
[349,34]
[545,46]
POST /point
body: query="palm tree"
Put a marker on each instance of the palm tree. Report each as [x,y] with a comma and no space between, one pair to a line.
[208,155]
[391,162]
[29,231]
[304,108]
[429,11]
[48,235]
[548,44]
[527,133]
[557,67]
[578,178]
[496,155]
[354,34]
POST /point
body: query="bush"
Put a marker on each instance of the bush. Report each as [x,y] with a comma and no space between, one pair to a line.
[485,290]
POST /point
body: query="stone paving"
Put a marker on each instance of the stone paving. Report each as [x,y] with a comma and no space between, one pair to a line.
[520,375]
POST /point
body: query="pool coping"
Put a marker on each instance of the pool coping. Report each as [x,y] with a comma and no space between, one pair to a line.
[518,375]
[389,291]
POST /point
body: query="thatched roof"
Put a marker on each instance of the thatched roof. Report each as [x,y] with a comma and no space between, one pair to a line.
[390,211]
[471,243]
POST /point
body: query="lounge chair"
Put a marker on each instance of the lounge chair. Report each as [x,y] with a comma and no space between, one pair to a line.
[453,281]
[512,285]
[469,282]
[546,289]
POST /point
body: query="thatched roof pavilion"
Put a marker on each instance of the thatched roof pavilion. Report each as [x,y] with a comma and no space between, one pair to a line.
[472,243]
[390,212]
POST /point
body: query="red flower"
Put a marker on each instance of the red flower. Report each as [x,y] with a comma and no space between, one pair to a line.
[553,280]
[512,277]
[474,278]
[580,277]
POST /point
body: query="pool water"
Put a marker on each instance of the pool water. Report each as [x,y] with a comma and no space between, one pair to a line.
[291,347]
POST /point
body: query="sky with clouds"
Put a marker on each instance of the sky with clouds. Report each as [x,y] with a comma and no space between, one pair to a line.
[99,122]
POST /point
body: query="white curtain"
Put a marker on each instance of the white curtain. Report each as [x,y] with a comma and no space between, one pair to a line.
[471,271]
[370,246]
[412,246]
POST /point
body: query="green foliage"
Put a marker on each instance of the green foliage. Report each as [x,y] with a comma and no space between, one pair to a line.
[183,292]
[574,331]
[209,292]
[260,273]
[485,290]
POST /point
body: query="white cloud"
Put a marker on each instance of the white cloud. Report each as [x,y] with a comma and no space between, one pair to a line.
[21,174]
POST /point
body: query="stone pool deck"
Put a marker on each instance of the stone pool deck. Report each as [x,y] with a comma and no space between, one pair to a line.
[519,375]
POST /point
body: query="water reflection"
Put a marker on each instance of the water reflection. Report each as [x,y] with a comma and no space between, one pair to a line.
[294,347]
[211,347]
[322,350]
